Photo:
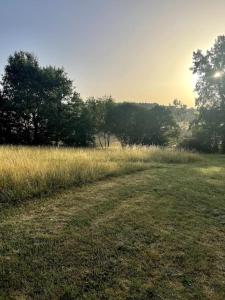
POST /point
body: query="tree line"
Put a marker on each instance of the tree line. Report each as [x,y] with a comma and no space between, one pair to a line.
[40,106]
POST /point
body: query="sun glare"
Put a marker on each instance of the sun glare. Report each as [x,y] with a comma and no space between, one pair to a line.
[217,74]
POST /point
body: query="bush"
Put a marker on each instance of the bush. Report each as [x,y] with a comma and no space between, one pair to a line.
[195,144]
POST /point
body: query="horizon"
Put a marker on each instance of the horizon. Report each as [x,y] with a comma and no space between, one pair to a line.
[138,52]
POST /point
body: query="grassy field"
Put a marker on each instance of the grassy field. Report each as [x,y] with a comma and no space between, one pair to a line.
[158,233]
[27,172]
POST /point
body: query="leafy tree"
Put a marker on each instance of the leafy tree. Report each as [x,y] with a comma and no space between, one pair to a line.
[101,113]
[156,126]
[78,127]
[205,134]
[179,110]
[136,125]
[184,118]
[123,119]
[56,91]
[210,68]
[20,94]
[35,102]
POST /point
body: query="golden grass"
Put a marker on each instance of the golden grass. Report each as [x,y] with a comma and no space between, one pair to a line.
[27,172]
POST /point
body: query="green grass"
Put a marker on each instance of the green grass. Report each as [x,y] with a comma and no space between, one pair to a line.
[154,234]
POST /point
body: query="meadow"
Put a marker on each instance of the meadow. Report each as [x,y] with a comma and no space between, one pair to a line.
[27,172]
[140,223]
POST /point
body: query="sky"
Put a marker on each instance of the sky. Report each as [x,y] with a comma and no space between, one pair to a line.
[133,50]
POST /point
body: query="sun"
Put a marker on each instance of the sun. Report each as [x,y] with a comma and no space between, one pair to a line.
[217,74]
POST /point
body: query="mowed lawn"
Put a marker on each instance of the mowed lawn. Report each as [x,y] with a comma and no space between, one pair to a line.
[152,234]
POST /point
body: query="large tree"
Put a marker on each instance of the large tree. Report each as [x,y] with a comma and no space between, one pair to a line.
[20,94]
[210,86]
[33,101]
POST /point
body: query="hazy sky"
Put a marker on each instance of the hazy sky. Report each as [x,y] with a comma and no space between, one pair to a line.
[138,50]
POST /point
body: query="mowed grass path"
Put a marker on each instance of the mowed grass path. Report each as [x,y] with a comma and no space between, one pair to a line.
[153,234]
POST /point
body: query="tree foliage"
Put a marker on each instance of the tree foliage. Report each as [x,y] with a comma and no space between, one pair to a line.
[136,125]
[37,103]
[210,70]
[101,114]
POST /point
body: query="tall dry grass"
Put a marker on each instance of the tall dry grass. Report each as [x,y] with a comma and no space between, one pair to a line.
[27,172]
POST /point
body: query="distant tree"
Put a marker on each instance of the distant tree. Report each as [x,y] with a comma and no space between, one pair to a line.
[78,127]
[179,110]
[210,68]
[184,117]
[156,126]
[56,91]
[101,114]
[124,119]
[136,125]
[205,132]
